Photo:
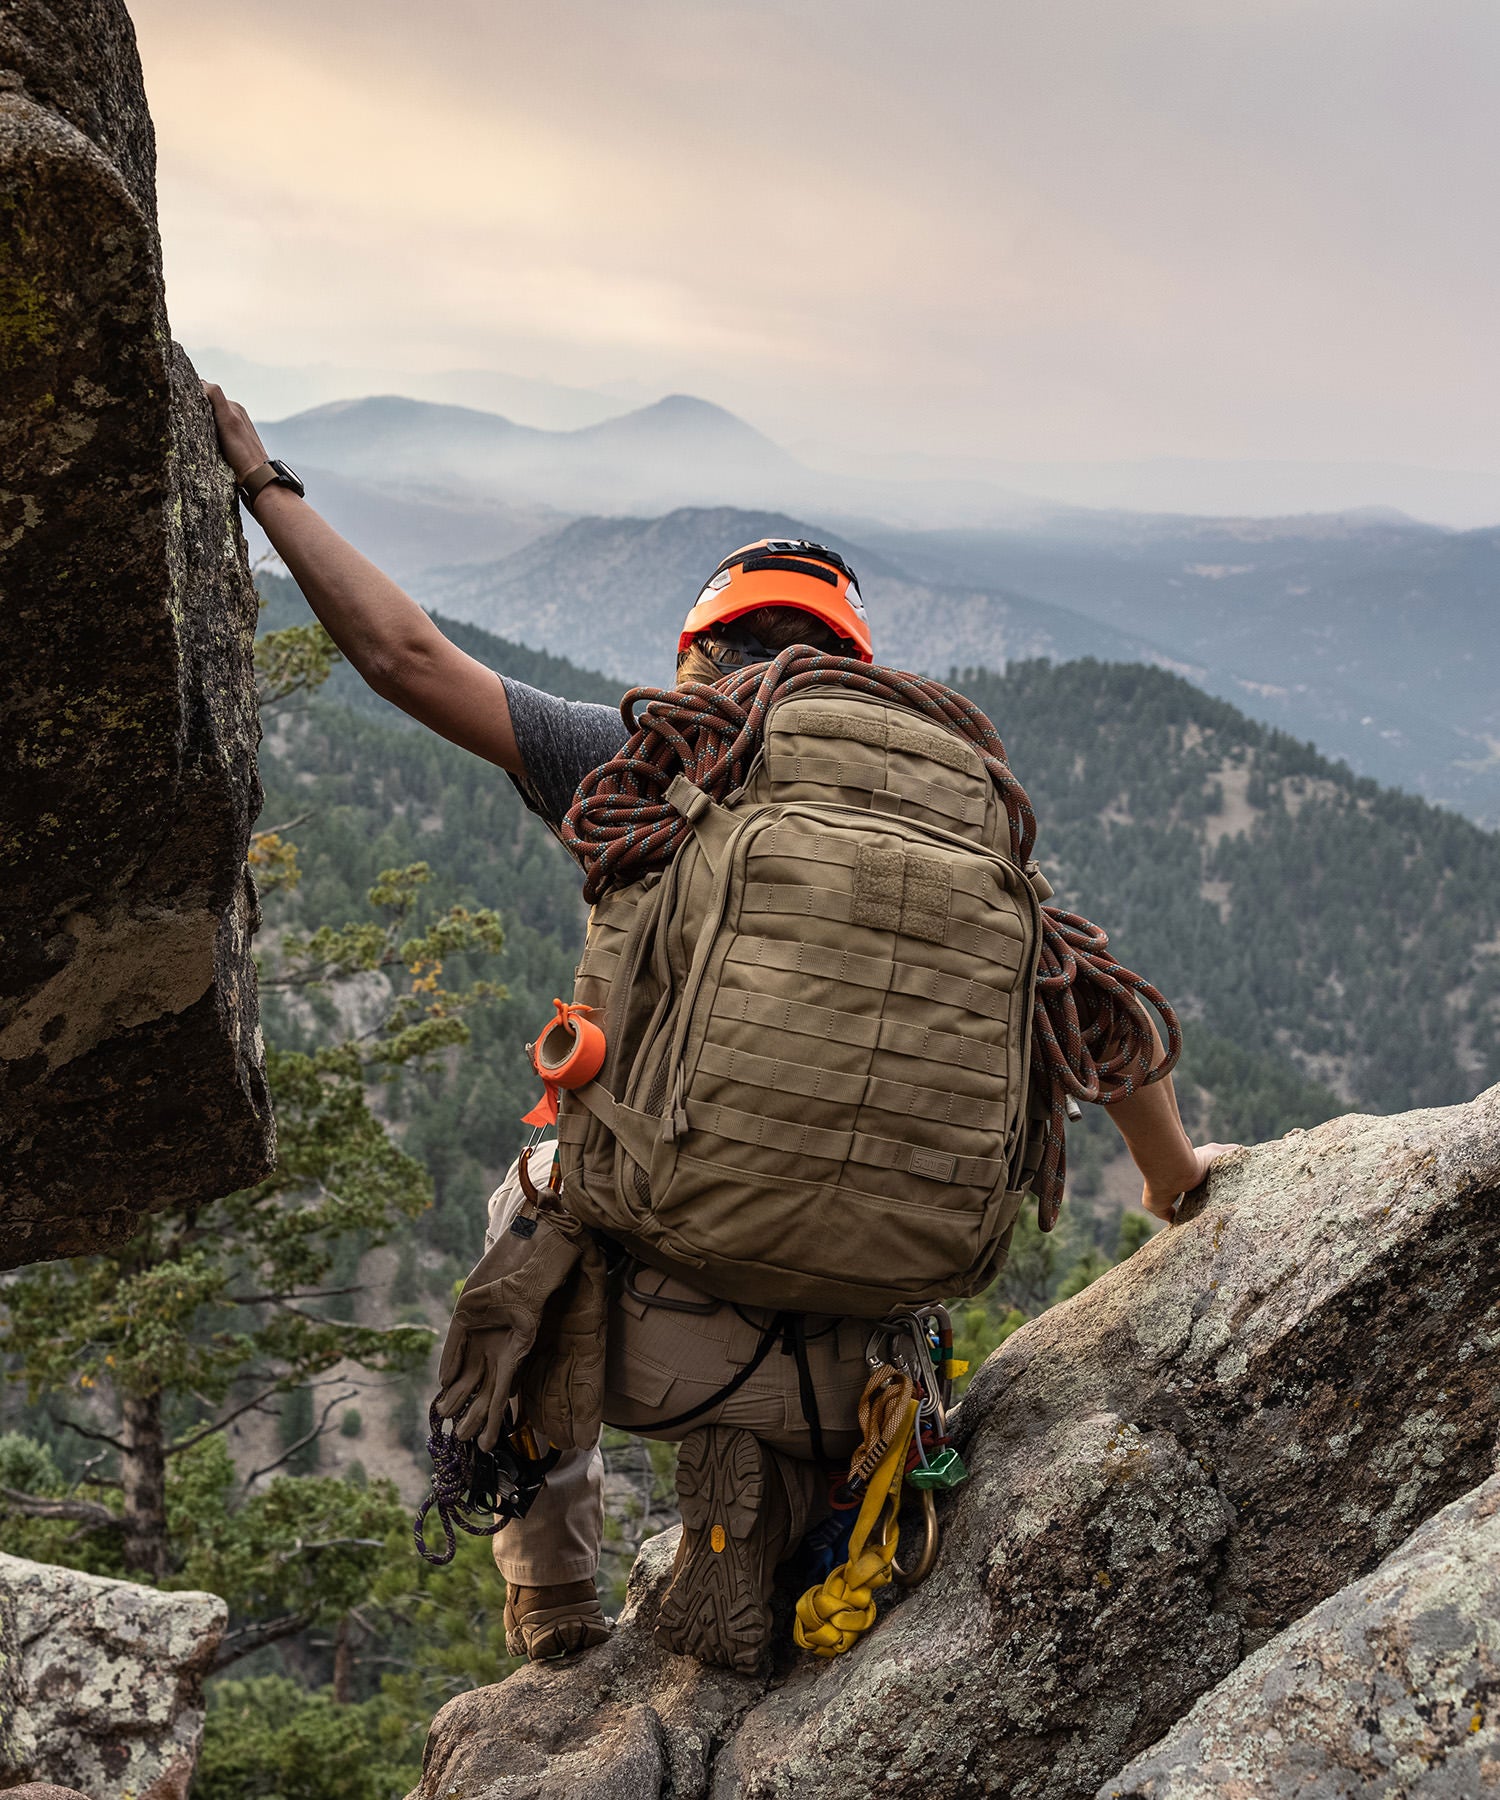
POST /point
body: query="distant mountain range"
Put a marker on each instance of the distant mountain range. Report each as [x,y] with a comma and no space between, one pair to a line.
[677,451]
[1373,638]
[915,485]
[1206,487]
[649,460]
[616,590]
[1364,631]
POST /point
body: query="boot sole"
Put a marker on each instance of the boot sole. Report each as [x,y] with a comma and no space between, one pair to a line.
[716,1609]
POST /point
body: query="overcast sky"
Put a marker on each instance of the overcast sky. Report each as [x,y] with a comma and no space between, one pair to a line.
[1015,228]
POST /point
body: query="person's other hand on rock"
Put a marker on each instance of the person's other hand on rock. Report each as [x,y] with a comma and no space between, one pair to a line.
[1164,1200]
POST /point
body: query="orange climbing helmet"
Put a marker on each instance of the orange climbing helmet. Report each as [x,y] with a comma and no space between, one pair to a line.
[783,572]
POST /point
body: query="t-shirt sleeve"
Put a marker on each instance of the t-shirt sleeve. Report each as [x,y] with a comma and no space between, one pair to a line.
[560,742]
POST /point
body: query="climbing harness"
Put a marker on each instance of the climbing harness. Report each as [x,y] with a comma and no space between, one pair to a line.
[903,1421]
[477,1491]
[1091,1035]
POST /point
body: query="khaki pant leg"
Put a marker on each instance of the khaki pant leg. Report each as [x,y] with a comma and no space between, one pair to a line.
[662,1361]
[561,1537]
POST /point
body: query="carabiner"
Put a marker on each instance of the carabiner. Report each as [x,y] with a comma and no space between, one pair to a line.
[910,1578]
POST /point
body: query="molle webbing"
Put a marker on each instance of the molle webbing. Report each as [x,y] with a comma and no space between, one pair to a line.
[843,1147]
[873,972]
[778,1075]
[797,1018]
[880,730]
[911,799]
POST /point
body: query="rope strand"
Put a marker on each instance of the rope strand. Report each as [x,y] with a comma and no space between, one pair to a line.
[1092,1038]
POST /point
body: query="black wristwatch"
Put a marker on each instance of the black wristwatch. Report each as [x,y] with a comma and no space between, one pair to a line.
[269,474]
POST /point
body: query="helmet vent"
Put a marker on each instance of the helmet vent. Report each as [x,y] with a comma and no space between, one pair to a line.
[792,565]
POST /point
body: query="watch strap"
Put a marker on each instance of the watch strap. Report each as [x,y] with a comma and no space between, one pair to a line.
[257,481]
[272,473]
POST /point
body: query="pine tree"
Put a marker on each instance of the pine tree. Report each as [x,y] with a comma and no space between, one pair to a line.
[150,1351]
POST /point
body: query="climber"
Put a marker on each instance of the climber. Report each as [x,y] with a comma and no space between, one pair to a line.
[748,1477]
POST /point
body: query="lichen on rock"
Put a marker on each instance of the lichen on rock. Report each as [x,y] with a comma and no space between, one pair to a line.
[131,1070]
[105,1680]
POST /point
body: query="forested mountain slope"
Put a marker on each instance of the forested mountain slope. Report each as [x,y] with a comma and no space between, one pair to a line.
[1294,908]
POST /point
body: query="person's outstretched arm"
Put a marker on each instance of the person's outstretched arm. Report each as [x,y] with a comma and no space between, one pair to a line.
[1171,1165]
[378,627]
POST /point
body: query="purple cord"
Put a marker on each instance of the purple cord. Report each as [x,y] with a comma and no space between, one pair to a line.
[452,1484]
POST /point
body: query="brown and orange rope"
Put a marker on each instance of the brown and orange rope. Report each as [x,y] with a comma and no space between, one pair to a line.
[1092,1038]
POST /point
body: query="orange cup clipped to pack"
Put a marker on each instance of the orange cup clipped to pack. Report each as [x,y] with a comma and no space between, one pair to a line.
[569,1052]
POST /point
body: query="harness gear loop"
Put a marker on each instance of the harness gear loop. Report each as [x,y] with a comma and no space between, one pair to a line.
[569,1053]
[831,1616]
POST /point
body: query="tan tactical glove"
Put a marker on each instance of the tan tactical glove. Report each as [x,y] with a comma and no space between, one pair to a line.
[497,1317]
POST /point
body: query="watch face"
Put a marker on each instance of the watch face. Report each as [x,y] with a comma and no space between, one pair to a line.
[289,476]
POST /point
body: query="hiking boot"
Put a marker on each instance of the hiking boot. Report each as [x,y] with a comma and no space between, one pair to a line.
[545,1623]
[738,1521]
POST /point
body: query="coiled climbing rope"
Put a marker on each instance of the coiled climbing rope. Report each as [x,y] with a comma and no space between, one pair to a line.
[1092,1038]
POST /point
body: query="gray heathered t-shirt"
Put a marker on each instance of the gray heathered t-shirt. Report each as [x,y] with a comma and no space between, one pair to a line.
[560,742]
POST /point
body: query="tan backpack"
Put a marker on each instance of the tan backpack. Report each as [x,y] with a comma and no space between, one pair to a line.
[818,1020]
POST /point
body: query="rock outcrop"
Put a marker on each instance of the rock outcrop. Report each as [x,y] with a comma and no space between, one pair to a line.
[1167,1471]
[131,1070]
[1387,1691]
[105,1681]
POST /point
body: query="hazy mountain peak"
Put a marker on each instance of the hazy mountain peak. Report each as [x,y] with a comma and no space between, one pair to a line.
[682,422]
[688,406]
[398,411]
